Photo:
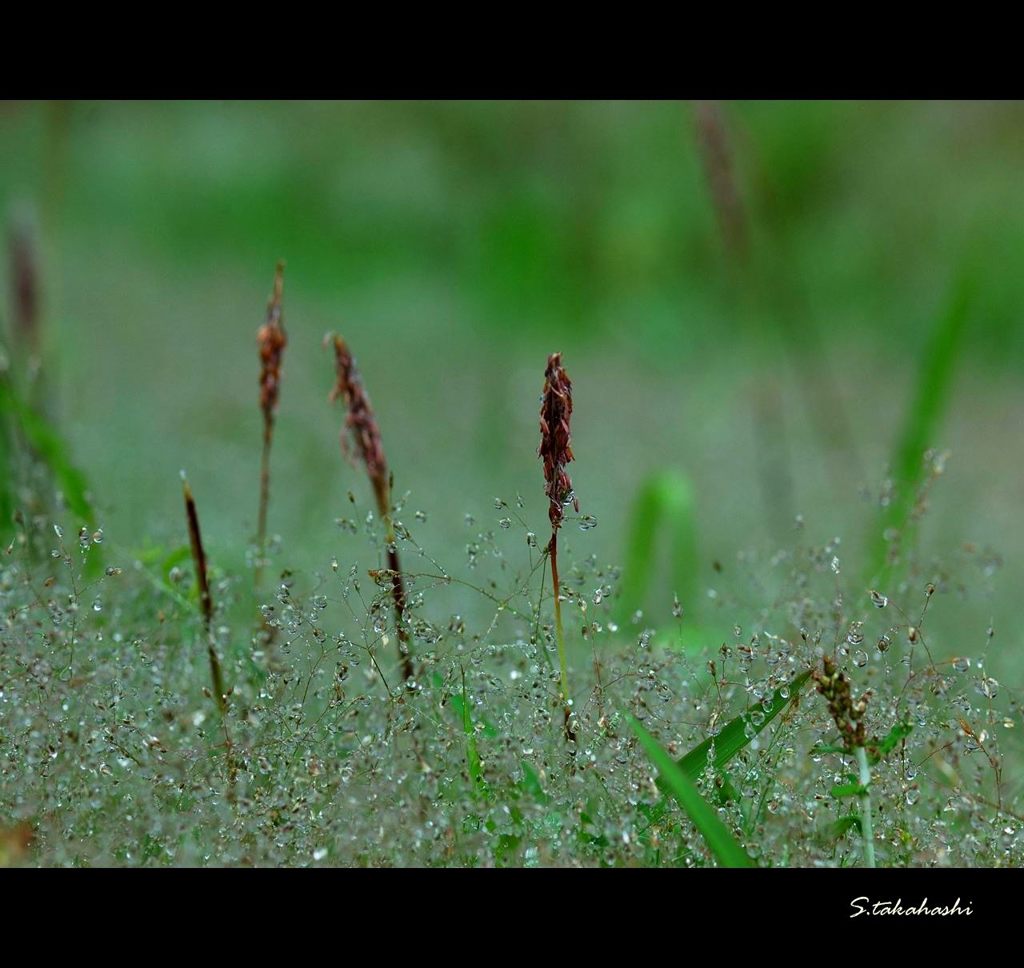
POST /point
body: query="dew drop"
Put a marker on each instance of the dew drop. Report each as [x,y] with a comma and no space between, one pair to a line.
[987,687]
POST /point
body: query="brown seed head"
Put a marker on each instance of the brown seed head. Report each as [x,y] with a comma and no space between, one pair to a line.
[555,439]
[272,341]
[847,713]
[360,421]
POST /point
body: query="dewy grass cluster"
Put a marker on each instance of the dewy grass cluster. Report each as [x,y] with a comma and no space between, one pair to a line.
[158,710]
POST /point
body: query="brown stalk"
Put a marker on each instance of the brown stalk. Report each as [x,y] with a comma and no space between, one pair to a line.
[717,157]
[272,340]
[205,598]
[556,452]
[362,424]
[25,280]
[24,285]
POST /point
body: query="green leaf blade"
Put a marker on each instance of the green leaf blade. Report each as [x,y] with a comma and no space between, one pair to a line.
[726,849]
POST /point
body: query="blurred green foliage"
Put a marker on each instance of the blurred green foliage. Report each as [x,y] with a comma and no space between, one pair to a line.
[456,244]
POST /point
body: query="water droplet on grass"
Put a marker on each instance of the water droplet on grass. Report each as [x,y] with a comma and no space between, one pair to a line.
[987,687]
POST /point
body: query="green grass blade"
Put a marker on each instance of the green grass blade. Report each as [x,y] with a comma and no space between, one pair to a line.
[733,736]
[47,444]
[895,736]
[934,386]
[731,739]
[461,706]
[664,505]
[720,841]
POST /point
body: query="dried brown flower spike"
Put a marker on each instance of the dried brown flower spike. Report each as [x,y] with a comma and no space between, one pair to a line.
[556,452]
[555,439]
[362,424]
[272,340]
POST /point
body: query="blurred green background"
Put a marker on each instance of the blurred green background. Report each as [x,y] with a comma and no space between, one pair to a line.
[742,291]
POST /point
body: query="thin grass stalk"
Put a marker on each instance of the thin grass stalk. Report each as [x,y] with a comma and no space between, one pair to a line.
[717,158]
[362,424]
[556,452]
[24,269]
[206,610]
[272,341]
[205,598]
[866,828]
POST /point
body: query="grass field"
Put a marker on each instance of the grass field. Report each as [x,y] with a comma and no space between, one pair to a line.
[794,337]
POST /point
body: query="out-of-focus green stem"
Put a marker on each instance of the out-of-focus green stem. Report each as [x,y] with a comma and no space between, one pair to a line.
[866,830]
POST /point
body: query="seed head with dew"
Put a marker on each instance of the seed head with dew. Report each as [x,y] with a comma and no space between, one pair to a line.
[272,340]
[361,423]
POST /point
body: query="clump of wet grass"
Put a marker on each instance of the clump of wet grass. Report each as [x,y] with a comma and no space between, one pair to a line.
[114,759]
[694,743]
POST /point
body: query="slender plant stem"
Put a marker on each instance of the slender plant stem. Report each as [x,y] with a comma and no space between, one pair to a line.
[206,610]
[261,532]
[272,341]
[559,634]
[570,732]
[866,830]
[397,593]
